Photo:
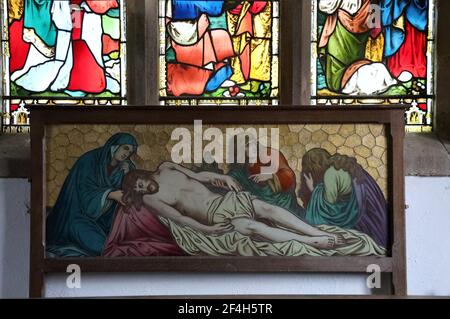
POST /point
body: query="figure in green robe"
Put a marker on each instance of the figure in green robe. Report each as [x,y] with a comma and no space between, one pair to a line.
[343,40]
[334,202]
[337,191]
[350,67]
[81,219]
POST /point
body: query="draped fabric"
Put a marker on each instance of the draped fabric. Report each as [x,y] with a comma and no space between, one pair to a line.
[201,48]
[142,234]
[405,24]
[19,48]
[414,11]
[343,42]
[189,10]
[279,191]
[38,17]
[350,51]
[411,56]
[284,199]
[344,213]
[224,49]
[250,25]
[363,209]
[56,54]
[82,215]
[235,244]
[139,233]
[373,210]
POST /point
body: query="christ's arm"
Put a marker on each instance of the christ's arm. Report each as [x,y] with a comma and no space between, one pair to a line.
[163,210]
[207,177]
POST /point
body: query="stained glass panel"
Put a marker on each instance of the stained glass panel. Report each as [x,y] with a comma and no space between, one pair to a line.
[70,52]
[375,52]
[219,52]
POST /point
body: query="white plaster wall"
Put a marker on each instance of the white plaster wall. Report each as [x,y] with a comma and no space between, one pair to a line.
[428,236]
[14,238]
[428,224]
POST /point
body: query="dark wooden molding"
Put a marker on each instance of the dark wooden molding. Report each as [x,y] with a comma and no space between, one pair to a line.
[222,265]
[137,63]
[442,65]
[397,199]
[37,226]
[152,36]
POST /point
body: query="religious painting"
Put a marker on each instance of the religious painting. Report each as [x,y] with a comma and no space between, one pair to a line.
[219,52]
[54,52]
[216,190]
[152,189]
[375,52]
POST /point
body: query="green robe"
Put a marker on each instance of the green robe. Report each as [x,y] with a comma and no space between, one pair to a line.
[343,49]
[38,16]
[334,201]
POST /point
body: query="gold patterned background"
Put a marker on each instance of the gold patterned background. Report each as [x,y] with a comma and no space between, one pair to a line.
[66,143]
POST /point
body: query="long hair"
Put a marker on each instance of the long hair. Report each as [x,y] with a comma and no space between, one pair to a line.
[131,197]
[317,161]
[347,164]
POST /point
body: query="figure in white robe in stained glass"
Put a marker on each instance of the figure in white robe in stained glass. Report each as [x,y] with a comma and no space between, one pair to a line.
[66,53]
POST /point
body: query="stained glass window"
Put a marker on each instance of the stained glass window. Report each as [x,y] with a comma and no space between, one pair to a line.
[375,52]
[219,52]
[61,52]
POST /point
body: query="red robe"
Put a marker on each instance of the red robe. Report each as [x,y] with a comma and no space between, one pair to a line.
[285,174]
[412,55]
[19,48]
[139,234]
[189,75]
[87,75]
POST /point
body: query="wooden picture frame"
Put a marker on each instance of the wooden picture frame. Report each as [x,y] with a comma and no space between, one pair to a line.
[391,117]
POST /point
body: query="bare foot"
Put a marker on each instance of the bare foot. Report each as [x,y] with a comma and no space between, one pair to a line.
[30,36]
[339,240]
[323,242]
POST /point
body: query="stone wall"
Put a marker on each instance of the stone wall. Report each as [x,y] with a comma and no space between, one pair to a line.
[367,143]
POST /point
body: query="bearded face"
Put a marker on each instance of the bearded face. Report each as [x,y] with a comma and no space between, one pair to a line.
[136,184]
[146,186]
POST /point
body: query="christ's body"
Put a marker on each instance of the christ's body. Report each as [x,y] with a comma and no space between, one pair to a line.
[183,198]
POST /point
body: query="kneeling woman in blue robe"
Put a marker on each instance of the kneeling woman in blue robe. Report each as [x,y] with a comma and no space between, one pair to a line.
[81,219]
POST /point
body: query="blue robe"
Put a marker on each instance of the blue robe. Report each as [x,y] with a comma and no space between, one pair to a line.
[283,199]
[415,11]
[365,209]
[191,10]
[81,219]
[38,16]
[344,213]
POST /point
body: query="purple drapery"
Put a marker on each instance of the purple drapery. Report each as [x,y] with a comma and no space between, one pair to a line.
[373,211]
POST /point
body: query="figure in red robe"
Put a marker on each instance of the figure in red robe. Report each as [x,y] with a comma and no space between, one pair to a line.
[70,57]
[405,25]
